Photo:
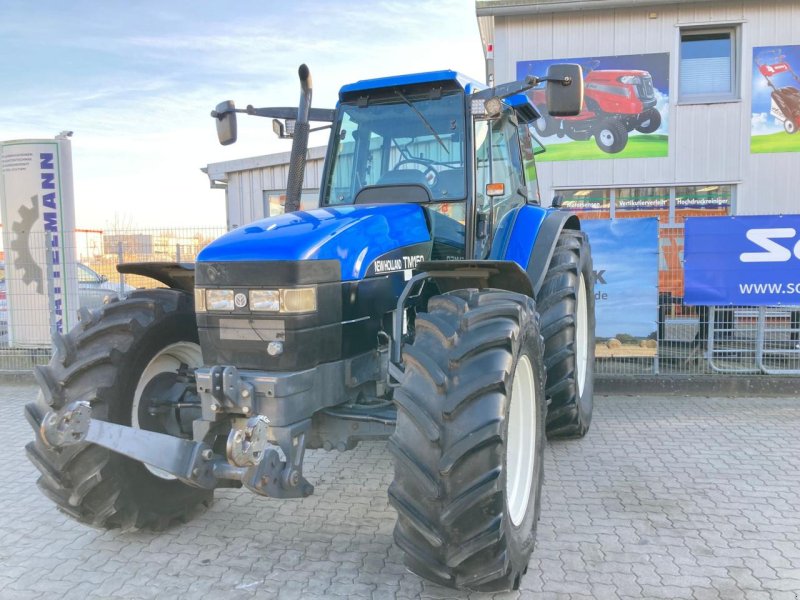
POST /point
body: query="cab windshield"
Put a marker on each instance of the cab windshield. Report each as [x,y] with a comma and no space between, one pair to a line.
[400,138]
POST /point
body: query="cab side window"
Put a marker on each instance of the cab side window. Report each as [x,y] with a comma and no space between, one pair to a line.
[497,161]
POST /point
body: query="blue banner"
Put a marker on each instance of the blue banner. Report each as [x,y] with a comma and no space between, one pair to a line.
[625,257]
[747,261]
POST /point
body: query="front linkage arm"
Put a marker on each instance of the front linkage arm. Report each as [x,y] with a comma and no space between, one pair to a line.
[249,461]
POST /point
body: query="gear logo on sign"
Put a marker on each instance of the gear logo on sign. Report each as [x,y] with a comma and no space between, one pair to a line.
[20,245]
[240,300]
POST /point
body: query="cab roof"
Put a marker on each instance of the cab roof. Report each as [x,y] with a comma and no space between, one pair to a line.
[468,84]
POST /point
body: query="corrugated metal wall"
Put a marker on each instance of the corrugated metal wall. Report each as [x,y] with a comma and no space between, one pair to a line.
[248,179]
[708,143]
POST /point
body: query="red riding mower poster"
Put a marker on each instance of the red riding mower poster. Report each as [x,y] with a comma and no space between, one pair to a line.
[626,105]
[776,99]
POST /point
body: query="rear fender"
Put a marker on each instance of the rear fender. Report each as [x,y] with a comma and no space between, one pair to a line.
[543,244]
[178,276]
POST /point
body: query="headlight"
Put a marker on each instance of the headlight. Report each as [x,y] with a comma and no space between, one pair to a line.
[199,300]
[265,300]
[219,299]
[629,79]
[299,300]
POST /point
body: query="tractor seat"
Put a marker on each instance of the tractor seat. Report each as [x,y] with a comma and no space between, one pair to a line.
[403,176]
[450,183]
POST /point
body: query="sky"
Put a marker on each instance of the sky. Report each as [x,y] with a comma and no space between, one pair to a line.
[136,81]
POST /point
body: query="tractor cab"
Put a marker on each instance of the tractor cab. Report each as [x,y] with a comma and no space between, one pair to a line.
[421,139]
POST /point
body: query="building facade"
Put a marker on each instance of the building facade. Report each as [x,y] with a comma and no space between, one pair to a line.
[709,117]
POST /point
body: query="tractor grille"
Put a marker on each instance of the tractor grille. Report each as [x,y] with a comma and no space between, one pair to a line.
[644,90]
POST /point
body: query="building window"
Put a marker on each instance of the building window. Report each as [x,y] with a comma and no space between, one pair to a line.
[708,65]
[274,201]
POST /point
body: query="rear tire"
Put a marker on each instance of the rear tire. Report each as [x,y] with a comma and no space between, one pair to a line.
[566,305]
[101,361]
[469,440]
[611,136]
[545,125]
[789,126]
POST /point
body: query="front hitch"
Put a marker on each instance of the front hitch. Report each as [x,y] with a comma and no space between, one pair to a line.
[248,460]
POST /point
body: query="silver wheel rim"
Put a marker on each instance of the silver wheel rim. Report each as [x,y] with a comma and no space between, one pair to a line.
[606,137]
[168,360]
[581,335]
[521,442]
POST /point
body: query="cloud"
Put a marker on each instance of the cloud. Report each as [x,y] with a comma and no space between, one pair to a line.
[763,123]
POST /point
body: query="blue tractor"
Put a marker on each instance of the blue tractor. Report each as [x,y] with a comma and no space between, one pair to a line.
[429,300]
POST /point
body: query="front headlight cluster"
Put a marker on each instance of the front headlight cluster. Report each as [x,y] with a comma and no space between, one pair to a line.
[294,300]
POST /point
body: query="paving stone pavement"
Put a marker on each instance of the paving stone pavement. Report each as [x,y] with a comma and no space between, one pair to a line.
[667,497]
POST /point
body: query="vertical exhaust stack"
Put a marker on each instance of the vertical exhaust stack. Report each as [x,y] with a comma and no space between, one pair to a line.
[297,161]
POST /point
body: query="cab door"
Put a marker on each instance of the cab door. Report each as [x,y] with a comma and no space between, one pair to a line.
[499,178]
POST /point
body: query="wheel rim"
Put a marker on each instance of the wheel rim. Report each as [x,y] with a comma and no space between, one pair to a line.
[606,137]
[521,442]
[581,335]
[168,360]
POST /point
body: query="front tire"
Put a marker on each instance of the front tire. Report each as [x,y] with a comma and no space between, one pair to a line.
[469,440]
[650,121]
[789,126]
[102,361]
[566,305]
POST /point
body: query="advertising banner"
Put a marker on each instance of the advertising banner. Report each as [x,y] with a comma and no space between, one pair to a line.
[749,261]
[38,213]
[626,106]
[625,256]
[776,100]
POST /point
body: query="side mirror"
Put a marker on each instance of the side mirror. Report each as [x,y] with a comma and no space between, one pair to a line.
[564,90]
[226,122]
[103,278]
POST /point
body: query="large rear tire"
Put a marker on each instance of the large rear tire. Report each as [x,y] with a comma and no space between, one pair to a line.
[469,440]
[611,136]
[105,360]
[566,305]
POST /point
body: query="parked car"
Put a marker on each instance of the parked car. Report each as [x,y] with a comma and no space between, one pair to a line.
[93,288]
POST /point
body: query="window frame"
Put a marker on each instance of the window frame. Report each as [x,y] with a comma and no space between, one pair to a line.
[735,95]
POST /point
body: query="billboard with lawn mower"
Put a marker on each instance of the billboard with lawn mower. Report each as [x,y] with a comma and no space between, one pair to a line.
[776,99]
[626,105]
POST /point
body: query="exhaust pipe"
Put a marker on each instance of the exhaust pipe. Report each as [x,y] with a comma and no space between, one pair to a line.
[297,160]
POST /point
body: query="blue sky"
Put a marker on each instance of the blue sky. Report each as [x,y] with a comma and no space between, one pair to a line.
[136,81]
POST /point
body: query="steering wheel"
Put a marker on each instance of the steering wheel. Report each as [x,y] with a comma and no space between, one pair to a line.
[431,174]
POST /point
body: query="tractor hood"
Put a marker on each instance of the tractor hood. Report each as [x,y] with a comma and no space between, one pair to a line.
[355,235]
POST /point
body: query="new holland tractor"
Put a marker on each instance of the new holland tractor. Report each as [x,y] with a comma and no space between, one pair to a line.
[429,300]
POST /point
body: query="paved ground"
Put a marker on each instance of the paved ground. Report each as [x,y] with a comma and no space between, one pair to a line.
[665,498]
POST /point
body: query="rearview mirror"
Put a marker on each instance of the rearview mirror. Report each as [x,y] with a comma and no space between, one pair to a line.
[564,90]
[226,122]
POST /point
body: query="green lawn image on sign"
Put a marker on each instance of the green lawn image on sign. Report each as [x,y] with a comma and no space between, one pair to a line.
[626,106]
[639,146]
[775,116]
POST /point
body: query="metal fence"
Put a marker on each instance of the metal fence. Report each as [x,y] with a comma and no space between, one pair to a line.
[33,304]
[687,340]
